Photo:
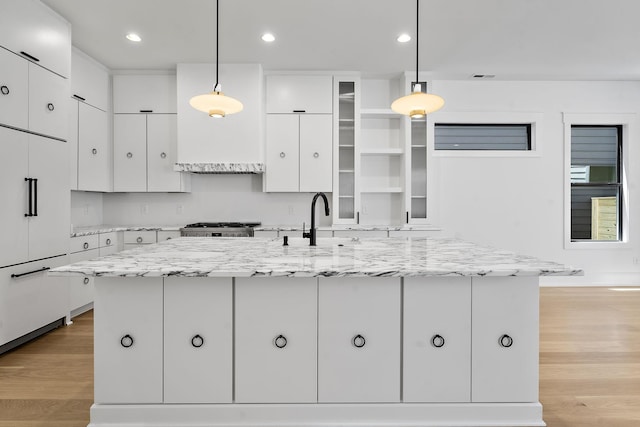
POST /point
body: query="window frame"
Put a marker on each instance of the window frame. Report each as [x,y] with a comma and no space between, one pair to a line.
[528,127]
[628,125]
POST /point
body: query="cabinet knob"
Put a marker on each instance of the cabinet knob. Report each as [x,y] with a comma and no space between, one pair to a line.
[282,155]
[94,151]
[86,245]
[163,155]
[197,341]
[280,341]
[126,341]
[437,341]
[86,281]
[139,240]
[4,90]
[50,107]
[506,341]
[316,155]
[108,242]
[358,341]
[129,155]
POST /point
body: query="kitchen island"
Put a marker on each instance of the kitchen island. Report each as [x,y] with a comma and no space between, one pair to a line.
[377,332]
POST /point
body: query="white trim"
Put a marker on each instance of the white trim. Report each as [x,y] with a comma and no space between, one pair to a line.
[480,117]
[628,121]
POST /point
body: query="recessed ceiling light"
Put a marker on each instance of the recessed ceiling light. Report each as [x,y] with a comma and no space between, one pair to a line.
[268,37]
[403,38]
[133,37]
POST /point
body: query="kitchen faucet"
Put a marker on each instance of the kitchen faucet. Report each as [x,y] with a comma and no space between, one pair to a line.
[312,232]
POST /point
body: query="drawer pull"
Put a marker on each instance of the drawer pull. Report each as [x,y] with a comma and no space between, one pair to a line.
[197,341]
[358,341]
[126,341]
[86,245]
[282,155]
[31,57]
[86,281]
[108,242]
[280,341]
[94,151]
[4,90]
[30,272]
[139,240]
[129,155]
[163,155]
[316,155]
[437,341]
[506,341]
[50,107]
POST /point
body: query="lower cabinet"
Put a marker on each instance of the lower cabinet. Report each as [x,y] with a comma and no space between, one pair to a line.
[276,344]
[81,289]
[437,339]
[198,340]
[128,361]
[359,340]
[505,339]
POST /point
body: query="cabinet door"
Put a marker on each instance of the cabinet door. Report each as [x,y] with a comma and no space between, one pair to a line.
[14,90]
[359,340]
[163,235]
[282,166]
[161,153]
[31,27]
[144,93]
[49,229]
[198,344]
[129,152]
[72,143]
[128,340]
[14,225]
[437,339]
[94,154]
[290,94]
[81,289]
[48,103]
[32,299]
[90,80]
[505,339]
[276,340]
[316,148]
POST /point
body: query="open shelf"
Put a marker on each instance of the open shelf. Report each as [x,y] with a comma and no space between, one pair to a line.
[379,113]
[382,190]
[382,151]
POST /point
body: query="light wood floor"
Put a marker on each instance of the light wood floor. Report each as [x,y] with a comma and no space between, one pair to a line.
[589,365]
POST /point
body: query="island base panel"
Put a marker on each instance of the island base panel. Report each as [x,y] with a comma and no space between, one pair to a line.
[320,415]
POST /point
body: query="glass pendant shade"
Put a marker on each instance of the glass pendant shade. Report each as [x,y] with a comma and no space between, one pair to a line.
[417,104]
[216,104]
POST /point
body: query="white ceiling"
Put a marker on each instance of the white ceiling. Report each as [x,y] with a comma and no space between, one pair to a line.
[513,39]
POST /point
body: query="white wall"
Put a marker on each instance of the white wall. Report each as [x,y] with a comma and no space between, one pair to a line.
[517,203]
[86,209]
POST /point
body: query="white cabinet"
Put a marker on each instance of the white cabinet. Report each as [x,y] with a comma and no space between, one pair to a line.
[89,80]
[148,93]
[81,289]
[14,90]
[163,235]
[198,337]
[109,243]
[134,239]
[505,339]
[359,340]
[299,94]
[30,299]
[31,29]
[144,150]
[437,339]
[128,365]
[35,217]
[299,152]
[90,149]
[276,340]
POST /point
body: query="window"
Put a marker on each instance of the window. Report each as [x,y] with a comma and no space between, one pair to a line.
[496,137]
[596,182]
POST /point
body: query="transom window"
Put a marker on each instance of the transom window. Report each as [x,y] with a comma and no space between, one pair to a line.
[494,137]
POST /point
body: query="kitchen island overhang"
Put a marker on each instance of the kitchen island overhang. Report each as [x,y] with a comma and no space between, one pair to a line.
[385,332]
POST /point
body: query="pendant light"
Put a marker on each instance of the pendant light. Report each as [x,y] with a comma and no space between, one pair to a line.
[216,103]
[417,104]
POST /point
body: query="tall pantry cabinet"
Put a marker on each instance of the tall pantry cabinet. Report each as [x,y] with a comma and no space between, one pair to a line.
[34,220]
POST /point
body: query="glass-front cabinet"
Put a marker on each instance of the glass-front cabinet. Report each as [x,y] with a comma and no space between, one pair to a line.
[416,201]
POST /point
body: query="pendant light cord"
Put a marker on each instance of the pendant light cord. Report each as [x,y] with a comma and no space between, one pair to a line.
[215,88]
[417,35]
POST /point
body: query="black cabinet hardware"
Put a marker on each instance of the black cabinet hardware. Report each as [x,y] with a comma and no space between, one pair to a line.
[50,107]
[31,57]
[437,341]
[358,341]
[146,111]
[4,90]
[86,281]
[78,97]
[30,197]
[197,341]
[299,111]
[506,341]
[280,341]
[85,245]
[407,217]
[357,217]
[31,272]
[35,196]
[126,341]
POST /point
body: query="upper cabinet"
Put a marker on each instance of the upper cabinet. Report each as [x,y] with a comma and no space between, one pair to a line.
[14,90]
[299,94]
[236,138]
[89,81]
[32,30]
[148,93]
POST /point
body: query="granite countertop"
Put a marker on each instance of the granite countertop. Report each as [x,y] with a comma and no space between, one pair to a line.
[98,229]
[247,257]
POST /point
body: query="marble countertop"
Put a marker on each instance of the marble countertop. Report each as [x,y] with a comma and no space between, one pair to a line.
[408,227]
[99,229]
[247,257]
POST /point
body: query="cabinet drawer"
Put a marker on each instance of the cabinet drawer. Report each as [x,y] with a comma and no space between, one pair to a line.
[84,243]
[167,235]
[139,237]
[108,239]
[360,233]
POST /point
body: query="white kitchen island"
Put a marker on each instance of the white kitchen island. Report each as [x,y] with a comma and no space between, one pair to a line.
[224,332]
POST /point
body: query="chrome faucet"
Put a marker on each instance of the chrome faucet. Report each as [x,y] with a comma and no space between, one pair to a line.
[312,232]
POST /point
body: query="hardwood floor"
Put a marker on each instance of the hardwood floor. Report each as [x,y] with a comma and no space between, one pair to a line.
[589,365]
